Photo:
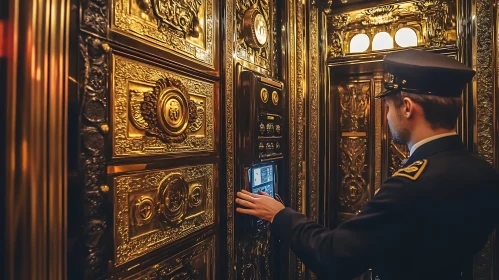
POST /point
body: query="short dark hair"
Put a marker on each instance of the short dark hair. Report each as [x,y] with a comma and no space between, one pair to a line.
[439,112]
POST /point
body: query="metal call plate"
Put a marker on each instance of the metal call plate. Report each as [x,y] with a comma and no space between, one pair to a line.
[196,262]
[156,208]
[156,111]
[184,28]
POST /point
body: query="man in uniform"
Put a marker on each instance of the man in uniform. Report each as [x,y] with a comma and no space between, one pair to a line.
[432,214]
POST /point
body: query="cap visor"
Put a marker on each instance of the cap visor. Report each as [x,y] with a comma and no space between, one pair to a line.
[385,93]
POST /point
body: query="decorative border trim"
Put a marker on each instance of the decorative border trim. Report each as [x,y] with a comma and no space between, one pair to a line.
[483,265]
[93,130]
[314,111]
[229,133]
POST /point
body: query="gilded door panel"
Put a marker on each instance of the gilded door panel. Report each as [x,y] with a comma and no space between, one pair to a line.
[155,208]
[196,262]
[186,29]
[354,101]
[158,112]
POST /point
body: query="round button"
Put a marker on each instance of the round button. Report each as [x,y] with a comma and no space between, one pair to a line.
[264,95]
[270,128]
[275,97]
[262,128]
[278,129]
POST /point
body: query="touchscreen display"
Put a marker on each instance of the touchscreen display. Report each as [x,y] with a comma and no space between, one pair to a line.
[263,179]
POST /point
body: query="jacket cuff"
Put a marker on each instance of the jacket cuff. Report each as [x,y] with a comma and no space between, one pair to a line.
[281,225]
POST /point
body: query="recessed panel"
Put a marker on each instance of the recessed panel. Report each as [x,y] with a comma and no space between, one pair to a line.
[156,111]
[196,262]
[156,208]
[184,28]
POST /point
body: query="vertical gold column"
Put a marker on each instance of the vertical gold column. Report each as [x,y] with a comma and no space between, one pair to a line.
[35,153]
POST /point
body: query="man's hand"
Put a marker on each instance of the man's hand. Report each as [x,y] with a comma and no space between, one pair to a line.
[261,205]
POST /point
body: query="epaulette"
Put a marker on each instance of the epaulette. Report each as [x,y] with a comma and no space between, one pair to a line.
[412,171]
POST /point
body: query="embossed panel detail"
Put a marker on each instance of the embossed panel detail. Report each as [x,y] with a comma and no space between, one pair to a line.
[183,27]
[354,103]
[433,21]
[155,208]
[196,262]
[254,31]
[353,190]
[159,112]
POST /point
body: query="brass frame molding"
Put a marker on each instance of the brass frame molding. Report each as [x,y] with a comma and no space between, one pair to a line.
[35,182]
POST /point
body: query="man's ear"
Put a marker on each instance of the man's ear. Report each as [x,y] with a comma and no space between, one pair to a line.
[408,107]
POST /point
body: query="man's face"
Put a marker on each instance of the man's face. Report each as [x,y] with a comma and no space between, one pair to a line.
[397,122]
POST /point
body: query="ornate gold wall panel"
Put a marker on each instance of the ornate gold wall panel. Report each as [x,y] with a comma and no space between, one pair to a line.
[353,192]
[355,105]
[256,46]
[156,111]
[434,22]
[155,208]
[196,262]
[183,28]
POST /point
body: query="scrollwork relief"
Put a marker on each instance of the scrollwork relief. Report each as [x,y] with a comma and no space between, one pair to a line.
[354,102]
[436,24]
[94,16]
[196,262]
[483,264]
[184,27]
[255,255]
[258,55]
[179,15]
[157,111]
[156,208]
[93,129]
[354,187]
[168,111]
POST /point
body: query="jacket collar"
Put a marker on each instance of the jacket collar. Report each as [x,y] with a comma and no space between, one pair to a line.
[436,146]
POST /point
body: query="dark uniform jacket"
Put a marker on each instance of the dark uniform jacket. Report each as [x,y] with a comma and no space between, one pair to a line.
[424,223]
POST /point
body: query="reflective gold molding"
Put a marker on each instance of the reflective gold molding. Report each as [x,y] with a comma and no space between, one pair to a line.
[156,208]
[156,111]
[183,27]
[196,262]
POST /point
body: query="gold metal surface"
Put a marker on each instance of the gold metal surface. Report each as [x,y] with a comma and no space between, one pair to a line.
[271,82]
[275,97]
[174,113]
[433,21]
[35,153]
[172,199]
[141,228]
[144,210]
[184,28]
[264,95]
[196,262]
[353,190]
[249,48]
[230,17]
[255,28]
[133,84]
[355,104]
[379,131]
